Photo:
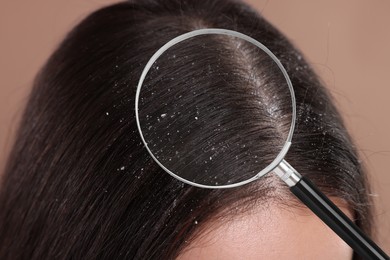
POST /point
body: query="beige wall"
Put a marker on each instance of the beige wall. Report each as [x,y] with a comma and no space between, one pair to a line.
[348,42]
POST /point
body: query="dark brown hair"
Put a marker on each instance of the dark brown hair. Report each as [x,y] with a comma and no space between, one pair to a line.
[79,183]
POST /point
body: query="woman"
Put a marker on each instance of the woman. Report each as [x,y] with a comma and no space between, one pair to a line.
[79,184]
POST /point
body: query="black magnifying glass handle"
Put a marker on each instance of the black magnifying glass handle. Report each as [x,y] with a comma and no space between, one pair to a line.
[329,213]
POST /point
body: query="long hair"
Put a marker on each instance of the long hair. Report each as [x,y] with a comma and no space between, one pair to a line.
[79,184]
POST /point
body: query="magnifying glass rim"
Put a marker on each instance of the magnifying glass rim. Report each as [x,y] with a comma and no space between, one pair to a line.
[278,159]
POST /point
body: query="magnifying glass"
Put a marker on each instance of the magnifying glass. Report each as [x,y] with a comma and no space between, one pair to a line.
[186,125]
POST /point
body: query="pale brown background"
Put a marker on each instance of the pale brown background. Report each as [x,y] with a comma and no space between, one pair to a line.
[346,41]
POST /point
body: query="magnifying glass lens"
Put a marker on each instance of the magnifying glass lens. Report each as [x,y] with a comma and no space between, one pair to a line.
[211,114]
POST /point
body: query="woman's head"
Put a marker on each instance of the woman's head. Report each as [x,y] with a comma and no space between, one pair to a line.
[79,182]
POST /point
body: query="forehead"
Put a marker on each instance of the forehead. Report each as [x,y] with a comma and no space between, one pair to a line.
[269,233]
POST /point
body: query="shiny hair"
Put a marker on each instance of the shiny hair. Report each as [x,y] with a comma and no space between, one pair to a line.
[79,184]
